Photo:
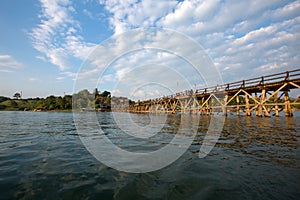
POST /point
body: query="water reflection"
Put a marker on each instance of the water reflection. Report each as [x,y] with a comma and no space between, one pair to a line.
[271,139]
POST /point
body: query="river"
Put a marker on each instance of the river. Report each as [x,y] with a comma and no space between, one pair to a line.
[43,157]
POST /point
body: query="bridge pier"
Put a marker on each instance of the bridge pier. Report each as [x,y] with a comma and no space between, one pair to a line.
[276,104]
[287,105]
[263,100]
[224,108]
[248,111]
[257,109]
[237,107]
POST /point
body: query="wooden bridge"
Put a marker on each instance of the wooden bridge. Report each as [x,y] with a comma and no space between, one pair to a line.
[262,96]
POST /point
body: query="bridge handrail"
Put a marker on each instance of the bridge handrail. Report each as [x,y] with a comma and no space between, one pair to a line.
[258,81]
[284,76]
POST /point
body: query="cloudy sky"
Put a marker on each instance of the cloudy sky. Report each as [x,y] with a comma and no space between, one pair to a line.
[44,44]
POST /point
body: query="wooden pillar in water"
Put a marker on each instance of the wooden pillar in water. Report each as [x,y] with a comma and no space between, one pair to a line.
[263,98]
[166,106]
[174,106]
[287,105]
[201,110]
[195,104]
[202,106]
[259,112]
[212,105]
[248,111]
[206,110]
[184,106]
[238,107]
[256,110]
[276,104]
[224,109]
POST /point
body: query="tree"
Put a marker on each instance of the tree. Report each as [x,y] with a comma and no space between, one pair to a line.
[96,92]
[17,95]
[67,102]
[105,94]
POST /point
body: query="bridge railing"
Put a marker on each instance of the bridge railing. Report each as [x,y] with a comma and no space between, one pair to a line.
[264,80]
[259,81]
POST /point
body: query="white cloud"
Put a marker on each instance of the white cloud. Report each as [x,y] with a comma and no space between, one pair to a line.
[6,71]
[60,78]
[288,11]
[107,78]
[141,58]
[243,37]
[7,61]
[66,75]
[128,14]
[88,13]
[33,79]
[193,13]
[57,36]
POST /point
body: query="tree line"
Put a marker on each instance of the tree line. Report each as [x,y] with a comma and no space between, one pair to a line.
[81,100]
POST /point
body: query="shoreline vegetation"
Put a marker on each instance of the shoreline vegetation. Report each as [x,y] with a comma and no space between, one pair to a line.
[81,101]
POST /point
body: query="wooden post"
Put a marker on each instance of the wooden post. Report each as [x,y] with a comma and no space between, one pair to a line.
[287,105]
[276,104]
[263,98]
[256,110]
[183,106]
[202,106]
[259,114]
[212,105]
[224,109]
[173,107]
[248,112]
[237,103]
[207,108]
[194,104]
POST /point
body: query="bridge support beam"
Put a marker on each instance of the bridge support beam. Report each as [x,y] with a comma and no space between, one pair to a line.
[287,105]
[238,105]
[259,106]
[263,105]
[256,105]
[276,104]
[212,105]
[248,111]
[224,109]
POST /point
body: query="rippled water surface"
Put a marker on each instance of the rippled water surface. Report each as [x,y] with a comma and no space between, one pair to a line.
[42,157]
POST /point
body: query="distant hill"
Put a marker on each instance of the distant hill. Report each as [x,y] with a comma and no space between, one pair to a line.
[3,99]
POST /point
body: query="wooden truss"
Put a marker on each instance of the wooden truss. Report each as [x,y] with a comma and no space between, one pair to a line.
[263,96]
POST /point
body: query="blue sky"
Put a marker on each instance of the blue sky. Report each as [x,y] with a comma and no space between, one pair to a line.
[44,43]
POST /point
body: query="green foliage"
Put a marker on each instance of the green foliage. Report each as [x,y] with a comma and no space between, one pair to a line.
[81,100]
[105,94]
[67,102]
[55,103]
[12,104]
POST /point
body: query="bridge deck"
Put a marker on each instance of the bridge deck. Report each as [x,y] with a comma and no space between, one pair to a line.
[267,87]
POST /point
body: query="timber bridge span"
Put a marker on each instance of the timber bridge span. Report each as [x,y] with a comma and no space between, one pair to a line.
[262,96]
